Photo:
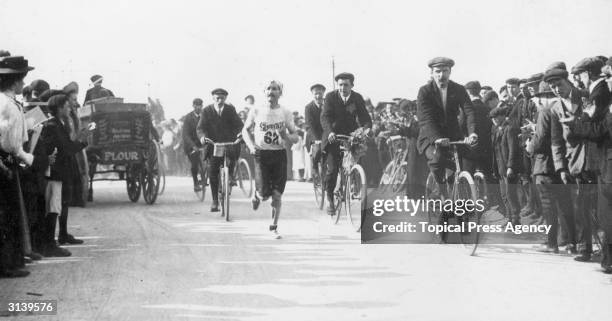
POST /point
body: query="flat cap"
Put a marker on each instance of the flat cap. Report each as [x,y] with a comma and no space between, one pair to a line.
[487,87]
[39,86]
[498,111]
[315,86]
[197,102]
[249,96]
[219,91]
[441,61]
[590,64]
[473,85]
[556,65]
[513,81]
[95,78]
[553,74]
[535,78]
[345,75]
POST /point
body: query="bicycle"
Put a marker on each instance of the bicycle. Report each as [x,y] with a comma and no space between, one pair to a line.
[462,188]
[317,180]
[243,177]
[396,171]
[351,187]
[225,186]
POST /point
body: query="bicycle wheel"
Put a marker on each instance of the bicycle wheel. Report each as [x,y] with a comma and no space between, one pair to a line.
[481,188]
[224,191]
[465,190]
[387,174]
[434,211]
[400,178]
[242,175]
[338,198]
[356,196]
[317,184]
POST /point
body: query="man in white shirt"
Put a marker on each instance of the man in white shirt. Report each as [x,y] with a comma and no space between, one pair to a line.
[272,124]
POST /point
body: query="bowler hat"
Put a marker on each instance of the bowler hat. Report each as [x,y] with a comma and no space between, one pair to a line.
[13,64]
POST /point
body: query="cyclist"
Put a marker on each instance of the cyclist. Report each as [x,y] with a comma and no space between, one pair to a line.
[343,112]
[270,124]
[191,142]
[312,112]
[220,123]
[439,104]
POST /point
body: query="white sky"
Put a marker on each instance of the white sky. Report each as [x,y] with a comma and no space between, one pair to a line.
[184,49]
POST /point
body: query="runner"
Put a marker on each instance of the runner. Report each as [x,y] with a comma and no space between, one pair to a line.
[270,124]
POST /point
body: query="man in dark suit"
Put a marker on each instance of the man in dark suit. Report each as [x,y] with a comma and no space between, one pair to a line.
[312,112]
[595,125]
[220,123]
[343,112]
[97,91]
[555,196]
[478,157]
[439,104]
[506,158]
[191,142]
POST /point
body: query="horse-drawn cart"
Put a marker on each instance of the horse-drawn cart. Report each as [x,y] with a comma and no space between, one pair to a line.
[125,143]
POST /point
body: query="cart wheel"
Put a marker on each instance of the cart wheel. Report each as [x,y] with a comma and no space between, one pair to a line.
[132,180]
[150,180]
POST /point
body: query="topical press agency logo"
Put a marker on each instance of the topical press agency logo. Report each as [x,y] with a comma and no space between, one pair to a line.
[403,220]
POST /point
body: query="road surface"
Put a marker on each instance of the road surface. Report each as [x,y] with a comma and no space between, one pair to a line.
[177,261]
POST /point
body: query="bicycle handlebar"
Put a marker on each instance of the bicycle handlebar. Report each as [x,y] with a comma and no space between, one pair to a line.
[237,141]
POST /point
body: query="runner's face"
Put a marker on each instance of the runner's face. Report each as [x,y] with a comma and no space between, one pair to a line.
[273,93]
[441,75]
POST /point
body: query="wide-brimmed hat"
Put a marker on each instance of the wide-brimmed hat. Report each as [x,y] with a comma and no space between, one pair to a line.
[14,65]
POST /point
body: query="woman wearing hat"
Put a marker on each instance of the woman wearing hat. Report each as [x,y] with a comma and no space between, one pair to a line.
[13,134]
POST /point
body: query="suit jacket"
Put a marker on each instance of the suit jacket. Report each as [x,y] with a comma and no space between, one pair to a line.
[222,128]
[341,118]
[55,136]
[600,131]
[312,113]
[506,148]
[483,148]
[548,132]
[190,134]
[434,123]
[97,92]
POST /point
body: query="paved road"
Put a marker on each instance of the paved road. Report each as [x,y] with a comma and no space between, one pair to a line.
[177,261]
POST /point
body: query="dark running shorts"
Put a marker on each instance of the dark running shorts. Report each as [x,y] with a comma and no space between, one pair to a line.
[270,171]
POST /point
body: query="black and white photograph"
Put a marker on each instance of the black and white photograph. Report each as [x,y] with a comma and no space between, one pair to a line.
[305,160]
